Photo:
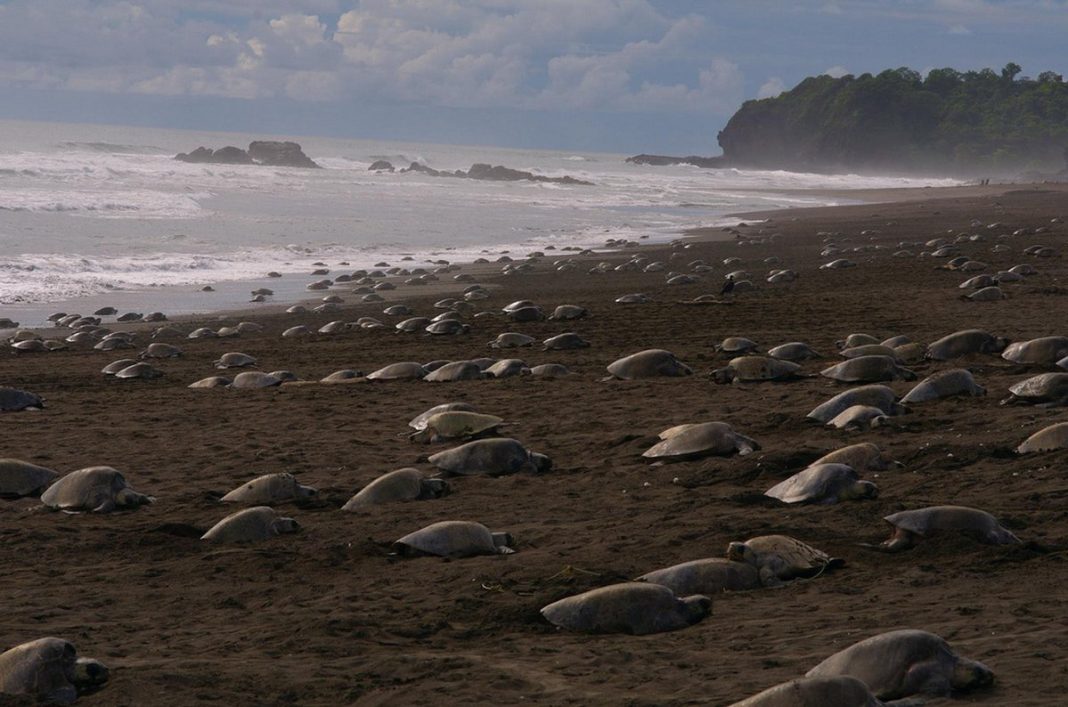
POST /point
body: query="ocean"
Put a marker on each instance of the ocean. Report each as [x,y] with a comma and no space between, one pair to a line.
[94,215]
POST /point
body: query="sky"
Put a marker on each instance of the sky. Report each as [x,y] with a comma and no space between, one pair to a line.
[624,76]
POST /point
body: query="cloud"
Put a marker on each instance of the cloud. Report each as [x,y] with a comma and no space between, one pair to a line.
[542,54]
[959,29]
[771,88]
[836,72]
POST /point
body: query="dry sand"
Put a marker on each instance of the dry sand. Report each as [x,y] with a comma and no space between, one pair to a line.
[327,617]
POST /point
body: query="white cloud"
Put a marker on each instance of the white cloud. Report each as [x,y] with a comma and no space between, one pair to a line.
[959,30]
[546,54]
[836,72]
[771,88]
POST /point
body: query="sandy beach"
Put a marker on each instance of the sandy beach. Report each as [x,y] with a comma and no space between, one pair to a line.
[327,616]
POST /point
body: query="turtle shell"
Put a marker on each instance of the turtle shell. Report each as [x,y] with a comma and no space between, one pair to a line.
[700,440]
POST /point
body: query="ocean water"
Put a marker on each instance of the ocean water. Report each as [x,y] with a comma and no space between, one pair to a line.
[93,215]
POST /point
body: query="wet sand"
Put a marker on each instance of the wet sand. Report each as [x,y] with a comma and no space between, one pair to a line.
[328,617]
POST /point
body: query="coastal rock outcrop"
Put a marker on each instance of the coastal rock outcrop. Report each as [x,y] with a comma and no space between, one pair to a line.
[263,152]
[663,160]
[494,173]
[381,166]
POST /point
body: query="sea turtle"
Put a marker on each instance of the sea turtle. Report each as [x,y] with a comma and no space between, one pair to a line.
[296,332]
[858,417]
[568,312]
[868,369]
[202,333]
[419,421]
[456,371]
[401,485]
[1047,389]
[709,576]
[550,370]
[212,382]
[454,538]
[518,304]
[906,662]
[747,369]
[648,364]
[49,670]
[405,370]
[345,375]
[986,294]
[99,489]
[895,341]
[910,526]
[693,441]
[158,350]
[911,353]
[249,327]
[139,371]
[1048,438]
[268,489]
[490,457]
[13,399]
[944,384]
[856,339]
[879,396]
[255,379]
[526,314]
[965,343]
[250,525]
[823,483]
[507,368]
[413,325]
[837,691]
[736,345]
[636,608]
[565,342]
[234,359]
[30,346]
[446,327]
[116,366]
[780,558]
[863,456]
[456,424]
[1044,351]
[838,264]
[793,351]
[868,350]
[511,340]
[113,345]
[19,478]
[634,298]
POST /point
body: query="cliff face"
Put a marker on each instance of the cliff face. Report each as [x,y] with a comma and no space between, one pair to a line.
[947,123]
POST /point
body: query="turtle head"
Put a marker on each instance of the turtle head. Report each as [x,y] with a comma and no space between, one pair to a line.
[740,552]
[723,375]
[285,525]
[541,462]
[128,498]
[434,488]
[862,489]
[999,344]
[696,607]
[306,491]
[88,674]
[971,674]
[503,542]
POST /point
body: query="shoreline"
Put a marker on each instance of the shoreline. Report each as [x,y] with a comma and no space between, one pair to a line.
[290,288]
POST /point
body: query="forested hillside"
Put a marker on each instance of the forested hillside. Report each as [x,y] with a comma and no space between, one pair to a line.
[975,122]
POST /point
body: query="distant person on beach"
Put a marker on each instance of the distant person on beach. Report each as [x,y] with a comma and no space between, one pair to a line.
[728,286]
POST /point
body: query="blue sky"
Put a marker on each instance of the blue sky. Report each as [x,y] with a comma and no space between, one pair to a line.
[613,75]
